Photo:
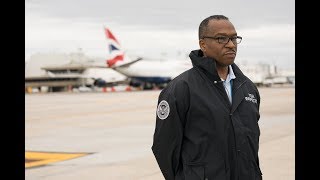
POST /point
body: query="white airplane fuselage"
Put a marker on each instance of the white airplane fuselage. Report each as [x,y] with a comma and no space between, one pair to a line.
[154,71]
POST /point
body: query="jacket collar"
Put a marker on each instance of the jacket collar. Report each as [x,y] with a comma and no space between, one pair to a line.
[208,66]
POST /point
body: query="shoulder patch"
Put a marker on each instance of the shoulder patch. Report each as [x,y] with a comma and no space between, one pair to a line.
[163,110]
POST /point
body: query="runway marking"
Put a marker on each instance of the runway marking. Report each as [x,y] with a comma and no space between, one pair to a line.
[35,159]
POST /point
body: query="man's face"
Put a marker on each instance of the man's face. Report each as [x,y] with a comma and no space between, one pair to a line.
[224,53]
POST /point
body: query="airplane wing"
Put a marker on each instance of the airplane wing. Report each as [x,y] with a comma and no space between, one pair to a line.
[129,63]
[121,65]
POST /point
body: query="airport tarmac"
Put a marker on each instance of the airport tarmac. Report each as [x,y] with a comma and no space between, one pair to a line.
[110,135]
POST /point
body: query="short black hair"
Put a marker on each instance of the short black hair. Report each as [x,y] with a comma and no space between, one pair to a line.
[203,27]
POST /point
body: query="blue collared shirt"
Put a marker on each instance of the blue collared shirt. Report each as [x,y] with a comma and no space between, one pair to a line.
[227,83]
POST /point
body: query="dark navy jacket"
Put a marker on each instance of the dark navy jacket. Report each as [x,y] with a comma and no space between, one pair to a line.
[199,135]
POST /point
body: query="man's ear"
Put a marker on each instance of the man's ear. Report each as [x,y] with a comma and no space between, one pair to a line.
[202,45]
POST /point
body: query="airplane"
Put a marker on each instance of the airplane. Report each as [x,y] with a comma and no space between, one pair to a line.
[142,72]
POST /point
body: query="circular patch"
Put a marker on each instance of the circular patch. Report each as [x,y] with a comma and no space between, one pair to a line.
[163,110]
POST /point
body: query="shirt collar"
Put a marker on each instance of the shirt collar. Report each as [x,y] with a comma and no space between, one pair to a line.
[230,75]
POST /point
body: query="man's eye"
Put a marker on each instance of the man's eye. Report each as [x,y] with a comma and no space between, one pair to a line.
[223,39]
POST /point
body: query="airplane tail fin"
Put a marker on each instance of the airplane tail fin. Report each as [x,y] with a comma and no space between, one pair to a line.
[117,56]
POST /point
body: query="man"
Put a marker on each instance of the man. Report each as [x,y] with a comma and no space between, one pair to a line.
[207,117]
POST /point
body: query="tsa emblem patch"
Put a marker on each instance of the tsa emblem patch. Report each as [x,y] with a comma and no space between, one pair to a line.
[163,110]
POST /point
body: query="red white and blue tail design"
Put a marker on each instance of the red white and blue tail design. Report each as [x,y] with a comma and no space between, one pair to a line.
[117,56]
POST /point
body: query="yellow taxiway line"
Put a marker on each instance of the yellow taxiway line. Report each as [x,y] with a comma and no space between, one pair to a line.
[33,159]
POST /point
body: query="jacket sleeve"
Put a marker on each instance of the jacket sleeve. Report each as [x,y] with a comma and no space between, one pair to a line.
[167,139]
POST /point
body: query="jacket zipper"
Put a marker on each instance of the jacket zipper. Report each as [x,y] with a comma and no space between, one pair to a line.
[234,134]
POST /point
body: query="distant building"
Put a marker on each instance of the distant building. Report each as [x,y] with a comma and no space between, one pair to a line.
[63,72]
[267,74]
[257,72]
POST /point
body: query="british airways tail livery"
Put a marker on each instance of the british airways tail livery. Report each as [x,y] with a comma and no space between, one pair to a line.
[117,56]
[141,72]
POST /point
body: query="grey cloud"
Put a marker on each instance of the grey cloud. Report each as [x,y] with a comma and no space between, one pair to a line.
[167,13]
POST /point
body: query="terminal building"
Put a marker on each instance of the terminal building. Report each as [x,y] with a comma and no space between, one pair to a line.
[267,74]
[52,72]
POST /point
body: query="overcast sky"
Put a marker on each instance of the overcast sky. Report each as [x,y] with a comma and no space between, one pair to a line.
[167,28]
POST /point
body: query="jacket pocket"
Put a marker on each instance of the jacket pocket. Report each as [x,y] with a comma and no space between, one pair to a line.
[195,171]
[249,170]
[256,167]
[252,159]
